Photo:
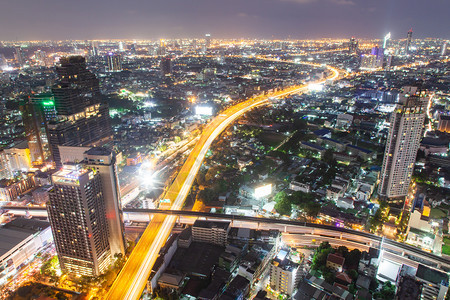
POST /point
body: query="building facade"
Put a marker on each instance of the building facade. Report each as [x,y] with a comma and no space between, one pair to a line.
[103,161]
[210,232]
[77,216]
[82,119]
[406,126]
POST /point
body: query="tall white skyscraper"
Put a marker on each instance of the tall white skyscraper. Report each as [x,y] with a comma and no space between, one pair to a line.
[103,161]
[406,126]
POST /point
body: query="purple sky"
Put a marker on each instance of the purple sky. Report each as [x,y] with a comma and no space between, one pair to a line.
[141,19]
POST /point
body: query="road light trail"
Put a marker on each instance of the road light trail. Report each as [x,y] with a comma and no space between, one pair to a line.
[131,281]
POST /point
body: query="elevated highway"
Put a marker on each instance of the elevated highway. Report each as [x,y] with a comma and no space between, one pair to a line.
[132,279]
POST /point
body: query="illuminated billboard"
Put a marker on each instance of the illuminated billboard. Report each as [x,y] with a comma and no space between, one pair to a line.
[203,110]
[263,191]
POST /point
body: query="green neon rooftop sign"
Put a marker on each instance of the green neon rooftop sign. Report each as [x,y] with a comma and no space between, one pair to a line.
[48,103]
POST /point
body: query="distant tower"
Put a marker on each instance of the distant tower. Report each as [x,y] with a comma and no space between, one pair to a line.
[166,65]
[408,41]
[387,37]
[76,210]
[353,46]
[19,56]
[162,47]
[114,62]
[94,49]
[405,132]
[208,40]
[104,162]
[120,46]
[444,49]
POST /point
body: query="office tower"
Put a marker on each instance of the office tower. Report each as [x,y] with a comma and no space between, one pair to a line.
[444,49]
[405,132]
[82,119]
[114,62]
[353,46]
[37,111]
[19,56]
[207,40]
[76,210]
[162,47]
[408,41]
[120,46]
[166,65]
[284,274]
[103,161]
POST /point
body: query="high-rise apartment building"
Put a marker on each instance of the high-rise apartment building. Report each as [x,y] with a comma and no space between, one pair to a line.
[77,214]
[103,161]
[444,49]
[114,62]
[408,41]
[82,119]
[405,132]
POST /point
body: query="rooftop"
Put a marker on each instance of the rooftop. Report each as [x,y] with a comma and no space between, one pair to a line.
[14,232]
[336,259]
[98,151]
[431,275]
[211,224]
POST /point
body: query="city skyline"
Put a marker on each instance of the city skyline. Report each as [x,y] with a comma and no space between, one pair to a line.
[277,19]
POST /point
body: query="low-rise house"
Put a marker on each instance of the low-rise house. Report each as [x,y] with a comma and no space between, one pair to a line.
[335,262]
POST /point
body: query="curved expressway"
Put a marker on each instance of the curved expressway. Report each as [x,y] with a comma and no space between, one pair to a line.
[132,279]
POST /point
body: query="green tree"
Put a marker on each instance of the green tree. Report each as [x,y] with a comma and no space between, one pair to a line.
[283,205]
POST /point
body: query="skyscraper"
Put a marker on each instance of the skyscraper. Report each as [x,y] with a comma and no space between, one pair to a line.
[162,47]
[406,126]
[444,49]
[82,119]
[37,111]
[374,60]
[103,161]
[77,214]
[114,62]
[207,40]
[408,41]
[353,46]
[166,65]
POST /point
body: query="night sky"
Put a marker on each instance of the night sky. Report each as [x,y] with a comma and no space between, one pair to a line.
[152,19]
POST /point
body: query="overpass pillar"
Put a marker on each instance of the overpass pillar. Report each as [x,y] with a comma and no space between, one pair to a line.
[285,228]
[403,253]
[340,236]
